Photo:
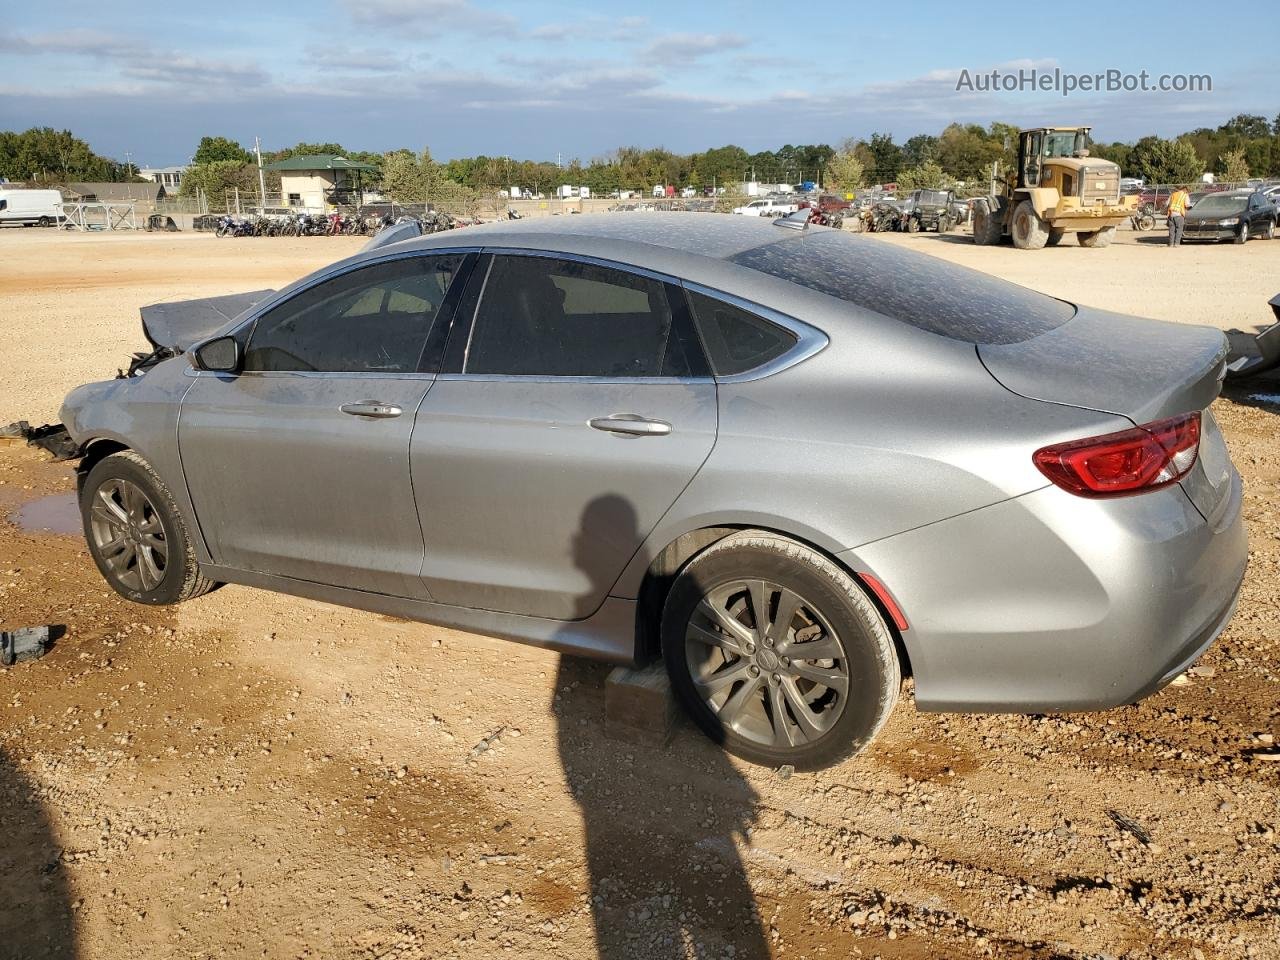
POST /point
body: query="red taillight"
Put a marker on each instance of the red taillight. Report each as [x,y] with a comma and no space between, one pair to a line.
[1131,461]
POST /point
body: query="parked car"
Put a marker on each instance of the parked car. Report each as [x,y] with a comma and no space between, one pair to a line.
[793,463]
[768,207]
[1238,215]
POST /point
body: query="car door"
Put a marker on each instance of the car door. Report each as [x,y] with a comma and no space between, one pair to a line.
[298,464]
[573,408]
[1259,215]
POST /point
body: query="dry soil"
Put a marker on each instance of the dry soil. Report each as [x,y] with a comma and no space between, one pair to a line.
[252,775]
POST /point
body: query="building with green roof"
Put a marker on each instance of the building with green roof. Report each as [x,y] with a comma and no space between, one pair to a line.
[319,182]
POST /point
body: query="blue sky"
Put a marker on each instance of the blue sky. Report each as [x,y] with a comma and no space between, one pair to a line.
[533,79]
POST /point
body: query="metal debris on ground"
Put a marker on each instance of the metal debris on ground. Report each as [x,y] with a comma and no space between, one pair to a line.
[1130,826]
[25,643]
[51,438]
[487,742]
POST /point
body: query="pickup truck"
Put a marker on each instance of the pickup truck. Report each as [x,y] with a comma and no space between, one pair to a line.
[768,208]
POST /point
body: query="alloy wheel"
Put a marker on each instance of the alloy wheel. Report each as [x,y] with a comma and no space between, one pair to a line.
[767,663]
[128,535]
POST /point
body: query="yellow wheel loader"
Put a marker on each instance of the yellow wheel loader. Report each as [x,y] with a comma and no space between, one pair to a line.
[1056,189]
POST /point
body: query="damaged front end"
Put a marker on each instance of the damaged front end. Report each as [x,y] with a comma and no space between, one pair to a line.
[172,328]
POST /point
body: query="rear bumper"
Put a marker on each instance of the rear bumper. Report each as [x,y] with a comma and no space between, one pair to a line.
[1050,602]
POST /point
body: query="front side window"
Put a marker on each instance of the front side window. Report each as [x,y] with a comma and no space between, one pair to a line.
[372,320]
[541,316]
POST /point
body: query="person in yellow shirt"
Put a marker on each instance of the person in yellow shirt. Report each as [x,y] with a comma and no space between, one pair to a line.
[1178,204]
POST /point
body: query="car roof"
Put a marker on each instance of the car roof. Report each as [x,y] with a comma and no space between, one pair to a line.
[637,238]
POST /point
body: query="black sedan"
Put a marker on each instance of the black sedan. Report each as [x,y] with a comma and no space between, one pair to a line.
[1238,215]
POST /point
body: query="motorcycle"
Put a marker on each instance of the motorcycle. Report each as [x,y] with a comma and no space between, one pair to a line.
[229,226]
[1144,219]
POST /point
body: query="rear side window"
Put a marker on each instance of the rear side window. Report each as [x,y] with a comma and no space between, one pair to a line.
[541,316]
[736,340]
[914,288]
[375,319]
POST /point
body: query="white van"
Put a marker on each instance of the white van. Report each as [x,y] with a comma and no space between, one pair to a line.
[767,208]
[25,207]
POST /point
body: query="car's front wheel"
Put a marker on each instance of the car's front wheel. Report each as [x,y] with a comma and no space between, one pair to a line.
[135,533]
[777,653]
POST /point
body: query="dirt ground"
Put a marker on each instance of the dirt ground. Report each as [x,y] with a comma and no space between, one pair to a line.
[252,775]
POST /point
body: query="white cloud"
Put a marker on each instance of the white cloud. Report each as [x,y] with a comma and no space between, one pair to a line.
[675,48]
[430,17]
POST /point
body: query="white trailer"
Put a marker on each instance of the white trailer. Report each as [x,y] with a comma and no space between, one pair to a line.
[26,207]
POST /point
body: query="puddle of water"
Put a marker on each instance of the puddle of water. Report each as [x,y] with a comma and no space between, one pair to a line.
[58,513]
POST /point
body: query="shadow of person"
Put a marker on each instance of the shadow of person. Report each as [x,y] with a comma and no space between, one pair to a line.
[662,826]
[35,908]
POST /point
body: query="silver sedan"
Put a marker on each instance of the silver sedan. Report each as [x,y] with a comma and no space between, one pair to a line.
[793,463]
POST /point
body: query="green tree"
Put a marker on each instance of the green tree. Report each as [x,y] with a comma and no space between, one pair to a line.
[845,170]
[1157,160]
[1233,167]
[43,155]
[925,176]
[886,156]
[220,149]
[219,181]
[1248,125]
[920,149]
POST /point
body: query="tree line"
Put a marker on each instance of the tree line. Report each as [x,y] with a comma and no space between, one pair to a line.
[1245,146]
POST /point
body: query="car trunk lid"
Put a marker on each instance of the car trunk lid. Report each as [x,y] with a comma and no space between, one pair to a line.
[1141,369]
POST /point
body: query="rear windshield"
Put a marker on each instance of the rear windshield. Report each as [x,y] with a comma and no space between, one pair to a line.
[914,288]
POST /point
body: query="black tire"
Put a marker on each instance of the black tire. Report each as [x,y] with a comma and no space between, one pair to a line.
[45,222]
[1097,238]
[180,577]
[986,224]
[1028,230]
[1270,232]
[829,601]
[1055,237]
[913,225]
[1242,235]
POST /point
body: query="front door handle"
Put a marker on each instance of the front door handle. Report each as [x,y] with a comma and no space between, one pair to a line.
[371,408]
[631,425]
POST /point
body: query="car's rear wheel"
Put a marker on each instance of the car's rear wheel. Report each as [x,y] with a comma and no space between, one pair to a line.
[1269,231]
[136,535]
[777,653]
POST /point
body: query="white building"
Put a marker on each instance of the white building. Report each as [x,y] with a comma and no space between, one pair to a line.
[168,177]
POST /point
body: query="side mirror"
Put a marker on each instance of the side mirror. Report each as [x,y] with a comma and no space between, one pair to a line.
[220,356]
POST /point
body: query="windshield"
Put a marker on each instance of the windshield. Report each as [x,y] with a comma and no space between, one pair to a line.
[932,196]
[1220,203]
[1062,144]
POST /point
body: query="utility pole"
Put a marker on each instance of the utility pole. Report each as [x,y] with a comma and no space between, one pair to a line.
[262,180]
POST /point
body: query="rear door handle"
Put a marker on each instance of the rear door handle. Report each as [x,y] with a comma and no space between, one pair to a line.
[371,408]
[631,425]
